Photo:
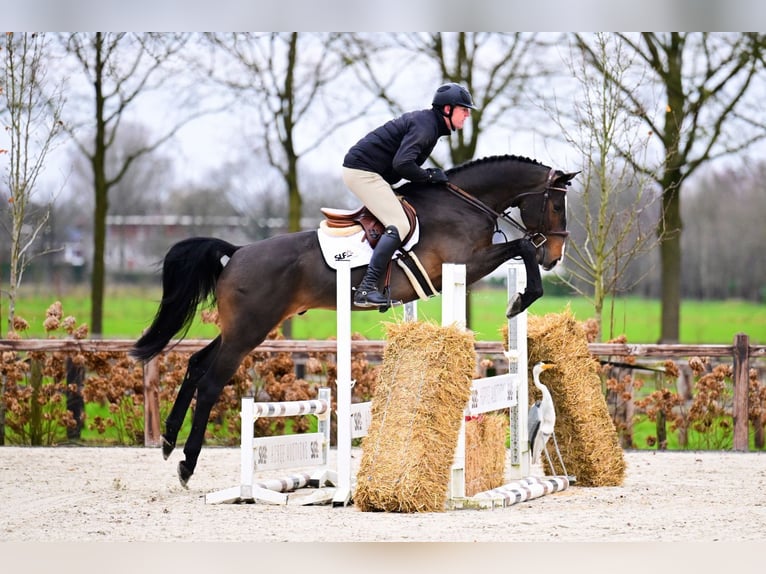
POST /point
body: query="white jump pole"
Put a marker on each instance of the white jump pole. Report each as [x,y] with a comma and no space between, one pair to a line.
[344,383]
[453,312]
[518,364]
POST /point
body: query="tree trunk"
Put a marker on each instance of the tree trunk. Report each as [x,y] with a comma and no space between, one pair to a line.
[101,207]
[670,253]
[36,409]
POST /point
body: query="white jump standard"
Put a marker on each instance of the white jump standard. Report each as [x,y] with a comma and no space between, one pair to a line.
[277,452]
[496,393]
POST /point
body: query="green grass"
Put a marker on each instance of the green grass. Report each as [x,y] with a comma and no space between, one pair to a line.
[128,311]
[717,440]
[702,322]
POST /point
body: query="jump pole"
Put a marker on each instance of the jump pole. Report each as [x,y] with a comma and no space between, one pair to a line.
[343,383]
[517,355]
[453,312]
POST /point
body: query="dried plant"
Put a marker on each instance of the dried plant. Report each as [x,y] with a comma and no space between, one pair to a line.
[36,388]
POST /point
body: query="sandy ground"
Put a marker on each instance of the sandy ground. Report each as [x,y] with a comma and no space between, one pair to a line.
[131,494]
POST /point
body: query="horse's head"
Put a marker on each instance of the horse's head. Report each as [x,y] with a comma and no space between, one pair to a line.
[544,214]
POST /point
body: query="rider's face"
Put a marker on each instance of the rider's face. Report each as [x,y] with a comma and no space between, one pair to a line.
[459,116]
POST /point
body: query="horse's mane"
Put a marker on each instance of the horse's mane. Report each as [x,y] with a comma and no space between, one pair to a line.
[491,159]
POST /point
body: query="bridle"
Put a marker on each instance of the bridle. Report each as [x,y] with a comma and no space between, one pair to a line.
[539,237]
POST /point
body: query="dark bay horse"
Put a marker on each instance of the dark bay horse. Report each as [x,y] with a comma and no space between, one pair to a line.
[257,286]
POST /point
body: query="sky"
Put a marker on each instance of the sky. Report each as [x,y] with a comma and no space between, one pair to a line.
[200,137]
[357,15]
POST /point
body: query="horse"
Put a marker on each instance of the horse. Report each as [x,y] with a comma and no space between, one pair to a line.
[259,285]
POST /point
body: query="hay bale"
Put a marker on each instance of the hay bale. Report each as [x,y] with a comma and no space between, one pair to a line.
[485,438]
[423,387]
[586,435]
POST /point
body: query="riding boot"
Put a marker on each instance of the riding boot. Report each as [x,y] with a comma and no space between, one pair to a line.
[367,293]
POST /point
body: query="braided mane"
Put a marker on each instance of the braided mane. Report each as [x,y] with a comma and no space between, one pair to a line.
[493,159]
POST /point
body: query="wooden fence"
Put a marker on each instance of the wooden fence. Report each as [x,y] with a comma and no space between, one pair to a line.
[740,351]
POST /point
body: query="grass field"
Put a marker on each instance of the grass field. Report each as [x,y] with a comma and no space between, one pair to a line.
[130,310]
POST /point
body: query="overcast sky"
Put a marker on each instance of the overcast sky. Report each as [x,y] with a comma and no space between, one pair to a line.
[402,15]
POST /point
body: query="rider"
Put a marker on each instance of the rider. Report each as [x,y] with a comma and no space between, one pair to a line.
[392,152]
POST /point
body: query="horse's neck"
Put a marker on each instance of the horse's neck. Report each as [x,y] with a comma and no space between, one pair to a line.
[501,183]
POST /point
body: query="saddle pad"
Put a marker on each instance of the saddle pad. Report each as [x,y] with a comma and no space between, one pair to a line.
[351,247]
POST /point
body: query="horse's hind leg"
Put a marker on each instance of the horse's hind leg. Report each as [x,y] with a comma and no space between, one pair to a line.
[196,368]
[222,367]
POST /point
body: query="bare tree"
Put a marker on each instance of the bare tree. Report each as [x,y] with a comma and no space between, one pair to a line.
[701,114]
[142,189]
[285,78]
[503,72]
[608,225]
[723,244]
[31,118]
[119,68]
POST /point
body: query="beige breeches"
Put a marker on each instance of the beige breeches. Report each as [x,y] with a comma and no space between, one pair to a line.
[376,193]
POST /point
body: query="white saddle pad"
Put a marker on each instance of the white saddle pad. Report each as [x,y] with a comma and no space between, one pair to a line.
[346,245]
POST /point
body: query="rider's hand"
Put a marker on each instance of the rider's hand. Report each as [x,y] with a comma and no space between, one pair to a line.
[436,175]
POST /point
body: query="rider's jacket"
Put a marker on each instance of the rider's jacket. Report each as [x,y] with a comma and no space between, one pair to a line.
[398,148]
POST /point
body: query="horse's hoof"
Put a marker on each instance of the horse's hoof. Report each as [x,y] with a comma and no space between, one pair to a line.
[514,306]
[167,447]
[184,474]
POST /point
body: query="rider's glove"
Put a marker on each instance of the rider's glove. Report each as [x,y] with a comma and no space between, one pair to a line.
[436,175]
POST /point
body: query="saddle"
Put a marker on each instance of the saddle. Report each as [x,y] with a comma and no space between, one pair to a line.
[373,228]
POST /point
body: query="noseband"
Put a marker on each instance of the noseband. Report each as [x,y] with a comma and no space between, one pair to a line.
[538,238]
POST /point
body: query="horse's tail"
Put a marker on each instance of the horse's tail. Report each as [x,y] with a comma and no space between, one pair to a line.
[190,271]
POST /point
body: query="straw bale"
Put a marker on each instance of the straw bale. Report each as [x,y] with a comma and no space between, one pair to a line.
[586,435]
[485,438]
[423,386]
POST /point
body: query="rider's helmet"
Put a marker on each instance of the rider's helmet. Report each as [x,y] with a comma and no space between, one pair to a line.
[453,95]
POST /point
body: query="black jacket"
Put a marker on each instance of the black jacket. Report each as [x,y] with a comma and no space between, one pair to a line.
[398,148]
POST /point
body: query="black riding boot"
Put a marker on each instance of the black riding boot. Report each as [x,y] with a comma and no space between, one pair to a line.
[367,294]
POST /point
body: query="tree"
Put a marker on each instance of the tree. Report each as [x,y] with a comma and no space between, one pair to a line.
[285,78]
[699,114]
[607,220]
[503,72]
[120,68]
[31,118]
[724,234]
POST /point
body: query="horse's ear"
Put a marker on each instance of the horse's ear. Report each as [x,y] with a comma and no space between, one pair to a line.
[567,177]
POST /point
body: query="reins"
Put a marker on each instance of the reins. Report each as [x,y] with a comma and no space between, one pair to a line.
[538,238]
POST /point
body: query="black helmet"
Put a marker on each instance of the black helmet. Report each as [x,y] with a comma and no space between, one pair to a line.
[453,95]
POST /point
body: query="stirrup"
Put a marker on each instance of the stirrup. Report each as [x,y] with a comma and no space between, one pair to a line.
[361,298]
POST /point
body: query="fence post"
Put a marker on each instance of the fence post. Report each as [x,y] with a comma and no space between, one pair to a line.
[741,384]
[152,403]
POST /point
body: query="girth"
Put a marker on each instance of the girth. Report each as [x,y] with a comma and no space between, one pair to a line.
[373,228]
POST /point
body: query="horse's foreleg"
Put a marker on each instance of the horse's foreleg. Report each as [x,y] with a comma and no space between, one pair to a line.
[198,365]
[534,288]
